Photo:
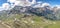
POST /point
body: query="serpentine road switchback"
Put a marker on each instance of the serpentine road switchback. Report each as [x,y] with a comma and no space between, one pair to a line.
[3,26]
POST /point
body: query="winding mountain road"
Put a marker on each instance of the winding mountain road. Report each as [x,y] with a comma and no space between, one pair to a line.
[3,26]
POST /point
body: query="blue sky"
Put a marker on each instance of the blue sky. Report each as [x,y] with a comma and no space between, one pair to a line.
[2,1]
[52,2]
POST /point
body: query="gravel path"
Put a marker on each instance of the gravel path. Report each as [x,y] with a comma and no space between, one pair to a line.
[2,26]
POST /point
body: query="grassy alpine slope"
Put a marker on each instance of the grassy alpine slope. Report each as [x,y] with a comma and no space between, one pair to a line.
[20,21]
[31,18]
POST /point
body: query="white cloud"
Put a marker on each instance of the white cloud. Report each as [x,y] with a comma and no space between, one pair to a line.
[33,1]
[1,8]
[37,6]
[6,6]
[58,6]
[17,2]
[39,2]
[22,2]
[11,1]
[45,4]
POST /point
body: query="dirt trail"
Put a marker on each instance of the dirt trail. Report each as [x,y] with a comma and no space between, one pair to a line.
[2,26]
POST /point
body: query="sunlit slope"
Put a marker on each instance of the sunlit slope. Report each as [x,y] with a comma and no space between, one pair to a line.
[29,21]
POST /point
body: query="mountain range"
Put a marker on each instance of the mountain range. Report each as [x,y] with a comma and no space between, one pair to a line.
[46,11]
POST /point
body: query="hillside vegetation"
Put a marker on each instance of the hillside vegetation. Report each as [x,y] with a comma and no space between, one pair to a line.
[30,17]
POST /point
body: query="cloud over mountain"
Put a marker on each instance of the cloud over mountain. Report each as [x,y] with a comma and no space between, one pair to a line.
[35,8]
[6,6]
[24,3]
